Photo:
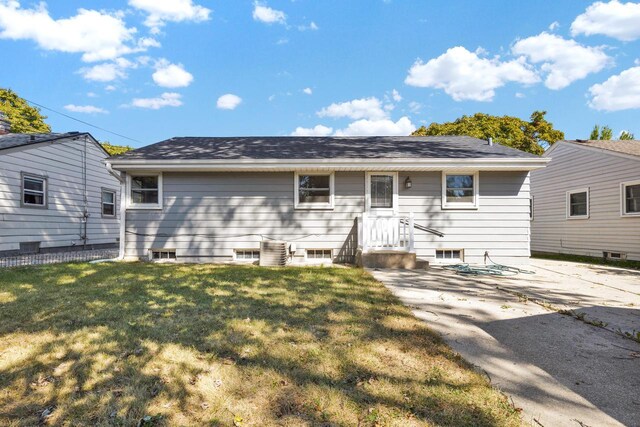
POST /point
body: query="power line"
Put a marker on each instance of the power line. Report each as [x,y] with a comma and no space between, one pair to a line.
[82,121]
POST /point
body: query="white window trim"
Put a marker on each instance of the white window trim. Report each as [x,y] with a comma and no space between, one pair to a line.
[115,203]
[568,203]
[623,201]
[45,191]
[461,205]
[131,205]
[247,260]
[367,193]
[532,206]
[318,260]
[296,189]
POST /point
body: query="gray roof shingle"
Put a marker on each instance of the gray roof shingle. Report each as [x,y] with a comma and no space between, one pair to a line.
[631,147]
[289,147]
[12,140]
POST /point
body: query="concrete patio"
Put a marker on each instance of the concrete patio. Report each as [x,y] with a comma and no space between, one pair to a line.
[560,370]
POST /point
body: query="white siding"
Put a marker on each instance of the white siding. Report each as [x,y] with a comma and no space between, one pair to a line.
[61,223]
[207,215]
[572,168]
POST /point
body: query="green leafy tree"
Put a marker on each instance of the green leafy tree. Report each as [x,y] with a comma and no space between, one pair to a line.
[531,136]
[23,117]
[114,150]
[595,133]
[624,135]
[606,133]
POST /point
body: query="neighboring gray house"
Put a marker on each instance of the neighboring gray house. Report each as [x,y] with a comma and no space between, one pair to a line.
[55,193]
[330,199]
[587,200]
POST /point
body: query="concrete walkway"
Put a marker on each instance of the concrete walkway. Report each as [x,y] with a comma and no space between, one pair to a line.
[560,370]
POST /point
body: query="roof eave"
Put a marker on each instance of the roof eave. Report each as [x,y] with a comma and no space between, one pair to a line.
[272,165]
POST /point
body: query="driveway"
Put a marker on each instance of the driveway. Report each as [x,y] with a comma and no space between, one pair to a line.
[561,369]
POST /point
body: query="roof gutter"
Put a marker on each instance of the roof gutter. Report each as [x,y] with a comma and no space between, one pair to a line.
[267,165]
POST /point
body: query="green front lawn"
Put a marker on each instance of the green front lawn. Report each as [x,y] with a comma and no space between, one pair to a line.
[114,344]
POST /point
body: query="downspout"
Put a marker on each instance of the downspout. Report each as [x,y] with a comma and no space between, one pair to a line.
[123,208]
[85,213]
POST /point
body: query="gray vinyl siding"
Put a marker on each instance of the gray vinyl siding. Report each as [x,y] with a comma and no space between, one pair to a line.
[208,215]
[571,168]
[60,224]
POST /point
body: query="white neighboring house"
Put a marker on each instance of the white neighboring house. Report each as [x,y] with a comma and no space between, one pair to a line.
[587,200]
[55,193]
[369,200]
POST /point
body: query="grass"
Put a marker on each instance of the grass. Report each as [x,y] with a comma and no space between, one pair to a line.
[588,260]
[152,344]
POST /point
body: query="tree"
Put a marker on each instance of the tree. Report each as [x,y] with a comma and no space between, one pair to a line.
[514,132]
[114,150]
[595,133]
[625,135]
[23,117]
[606,133]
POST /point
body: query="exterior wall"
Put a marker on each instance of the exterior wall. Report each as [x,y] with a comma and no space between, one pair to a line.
[61,223]
[605,230]
[206,216]
[500,225]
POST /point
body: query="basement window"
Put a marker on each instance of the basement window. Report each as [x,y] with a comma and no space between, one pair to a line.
[319,254]
[449,255]
[247,254]
[163,254]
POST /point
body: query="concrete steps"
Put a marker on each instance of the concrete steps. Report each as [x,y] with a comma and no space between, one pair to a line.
[391,259]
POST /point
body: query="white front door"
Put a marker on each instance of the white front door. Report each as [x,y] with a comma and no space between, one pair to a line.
[381,193]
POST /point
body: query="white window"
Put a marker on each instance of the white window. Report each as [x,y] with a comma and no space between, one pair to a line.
[163,254]
[314,190]
[381,191]
[578,204]
[34,191]
[319,254]
[145,191]
[449,255]
[247,254]
[631,198]
[460,190]
[108,202]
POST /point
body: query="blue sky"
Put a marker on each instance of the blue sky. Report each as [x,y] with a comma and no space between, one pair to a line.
[153,69]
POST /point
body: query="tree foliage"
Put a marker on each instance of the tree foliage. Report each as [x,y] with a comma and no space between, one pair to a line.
[624,135]
[531,136]
[23,117]
[114,150]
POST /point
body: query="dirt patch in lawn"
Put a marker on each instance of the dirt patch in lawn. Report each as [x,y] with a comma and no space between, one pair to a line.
[150,344]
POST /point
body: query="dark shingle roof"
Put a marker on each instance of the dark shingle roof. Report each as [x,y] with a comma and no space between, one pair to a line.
[631,147]
[289,147]
[12,140]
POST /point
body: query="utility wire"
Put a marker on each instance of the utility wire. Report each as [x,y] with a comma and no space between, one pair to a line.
[83,122]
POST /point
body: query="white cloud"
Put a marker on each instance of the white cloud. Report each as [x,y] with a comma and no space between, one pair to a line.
[364,108]
[415,107]
[171,75]
[228,102]
[520,95]
[108,71]
[312,27]
[263,13]
[318,130]
[161,11]
[308,91]
[92,95]
[87,109]
[384,127]
[564,61]
[464,75]
[396,96]
[619,92]
[110,88]
[613,19]
[554,26]
[95,34]
[167,99]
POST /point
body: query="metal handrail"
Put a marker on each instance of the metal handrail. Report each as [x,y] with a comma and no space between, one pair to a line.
[426,229]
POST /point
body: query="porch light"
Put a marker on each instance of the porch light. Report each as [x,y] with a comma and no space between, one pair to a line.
[408,183]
